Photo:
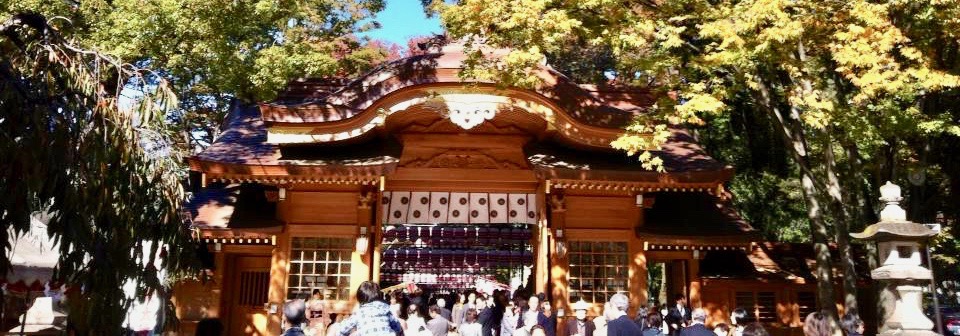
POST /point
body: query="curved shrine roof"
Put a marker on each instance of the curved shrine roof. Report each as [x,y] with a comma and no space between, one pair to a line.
[683,160]
[242,150]
[326,101]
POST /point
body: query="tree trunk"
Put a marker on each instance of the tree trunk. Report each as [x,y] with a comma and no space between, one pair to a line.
[841,227]
[820,233]
[792,132]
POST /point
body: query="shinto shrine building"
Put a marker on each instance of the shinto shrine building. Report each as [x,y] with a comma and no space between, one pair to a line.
[408,174]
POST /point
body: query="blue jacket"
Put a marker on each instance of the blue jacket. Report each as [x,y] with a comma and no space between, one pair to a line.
[697,329]
[293,331]
[372,319]
[623,326]
[549,324]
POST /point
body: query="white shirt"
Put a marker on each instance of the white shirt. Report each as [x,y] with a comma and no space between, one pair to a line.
[470,329]
[414,323]
[509,324]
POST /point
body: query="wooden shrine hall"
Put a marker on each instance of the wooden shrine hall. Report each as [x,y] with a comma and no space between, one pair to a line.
[408,174]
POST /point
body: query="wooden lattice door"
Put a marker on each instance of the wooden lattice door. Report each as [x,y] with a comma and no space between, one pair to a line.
[250,286]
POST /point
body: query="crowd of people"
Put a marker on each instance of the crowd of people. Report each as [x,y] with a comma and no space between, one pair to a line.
[496,314]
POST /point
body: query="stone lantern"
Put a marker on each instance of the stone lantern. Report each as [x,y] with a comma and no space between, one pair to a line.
[899,243]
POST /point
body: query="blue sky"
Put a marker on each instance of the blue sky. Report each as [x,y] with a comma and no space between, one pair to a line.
[403,19]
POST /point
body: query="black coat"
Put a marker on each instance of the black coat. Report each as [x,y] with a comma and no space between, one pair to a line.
[697,330]
[674,317]
[487,320]
[623,326]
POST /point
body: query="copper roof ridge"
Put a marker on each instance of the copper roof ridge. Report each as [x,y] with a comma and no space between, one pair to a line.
[351,81]
[555,80]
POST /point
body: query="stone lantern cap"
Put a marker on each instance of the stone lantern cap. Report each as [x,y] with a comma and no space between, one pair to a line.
[893,223]
[895,230]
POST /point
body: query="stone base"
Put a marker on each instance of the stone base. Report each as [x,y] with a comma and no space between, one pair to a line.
[901,332]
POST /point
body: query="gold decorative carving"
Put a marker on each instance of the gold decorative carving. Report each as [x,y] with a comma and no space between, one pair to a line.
[557,202]
[463,158]
[366,198]
[420,123]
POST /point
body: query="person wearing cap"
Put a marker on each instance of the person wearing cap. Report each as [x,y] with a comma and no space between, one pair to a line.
[616,312]
[697,328]
[579,326]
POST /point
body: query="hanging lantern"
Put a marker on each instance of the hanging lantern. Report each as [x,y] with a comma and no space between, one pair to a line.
[561,244]
[363,243]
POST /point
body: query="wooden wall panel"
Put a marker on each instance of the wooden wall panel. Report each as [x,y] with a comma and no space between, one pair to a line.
[718,297]
[195,300]
[717,302]
[323,207]
[602,212]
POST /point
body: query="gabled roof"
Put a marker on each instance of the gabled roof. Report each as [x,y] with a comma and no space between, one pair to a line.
[792,262]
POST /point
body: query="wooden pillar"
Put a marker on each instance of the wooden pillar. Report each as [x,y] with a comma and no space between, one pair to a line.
[695,285]
[220,266]
[542,244]
[542,257]
[362,261]
[376,236]
[560,264]
[279,270]
[638,275]
[678,279]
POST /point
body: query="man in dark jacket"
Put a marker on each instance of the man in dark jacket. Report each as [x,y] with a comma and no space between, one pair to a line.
[546,318]
[294,312]
[618,324]
[579,326]
[487,317]
[678,315]
[696,328]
